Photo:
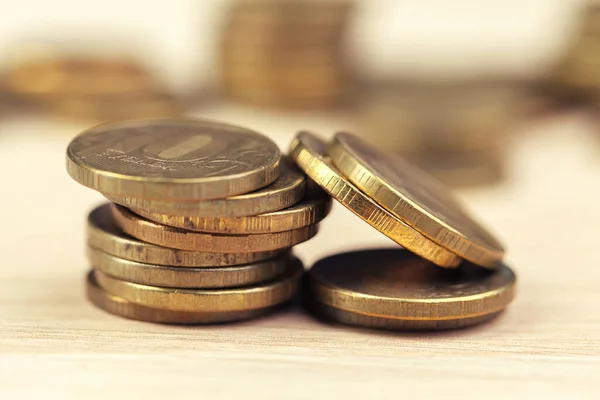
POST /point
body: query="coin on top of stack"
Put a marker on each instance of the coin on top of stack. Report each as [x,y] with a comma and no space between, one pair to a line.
[88,86]
[214,212]
[286,54]
[402,202]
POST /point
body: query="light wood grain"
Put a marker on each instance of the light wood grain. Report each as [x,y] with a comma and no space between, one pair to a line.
[54,344]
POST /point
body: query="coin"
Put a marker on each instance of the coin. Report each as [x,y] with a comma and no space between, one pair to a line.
[286,191]
[309,152]
[104,235]
[415,198]
[312,210]
[176,238]
[208,300]
[390,288]
[199,278]
[69,75]
[123,308]
[172,159]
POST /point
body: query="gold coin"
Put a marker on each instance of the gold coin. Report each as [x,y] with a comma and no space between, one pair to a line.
[286,191]
[104,235]
[415,198]
[176,238]
[208,300]
[172,159]
[123,308]
[309,152]
[395,289]
[198,278]
[111,108]
[68,75]
[312,210]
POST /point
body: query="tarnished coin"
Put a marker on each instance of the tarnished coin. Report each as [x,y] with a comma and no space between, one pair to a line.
[196,278]
[389,288]
[208,300]
[309,211]
[415,198]
[123,308]
[176,238]
[286,191]
[309,152]
[172,159]
[104,235]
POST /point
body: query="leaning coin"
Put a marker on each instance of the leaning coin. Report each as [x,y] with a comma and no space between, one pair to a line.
[172,159]
[286,191]
[195,278]
[123,308]
[208,300]
[394,289]
[312,210]
[309,153]
[104,235]
[176,238]
[415,198]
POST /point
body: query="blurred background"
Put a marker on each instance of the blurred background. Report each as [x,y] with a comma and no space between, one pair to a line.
[497,99]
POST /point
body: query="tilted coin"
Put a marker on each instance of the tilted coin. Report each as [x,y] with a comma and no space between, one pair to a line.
[176,238]
[415,198]
[286,191]
[172,159]
[392,288]
[104,235]
[309,152]
[198,278]
[208,300]
[309,211]
[123,308]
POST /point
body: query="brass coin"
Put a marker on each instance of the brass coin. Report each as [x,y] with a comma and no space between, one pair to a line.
[104,235]
[208,300]
[399,290]
[312,210]
[286,191]
[176,238]
[309,152]
[197,278]
[415,198]
[69,75]
[172,159]
[123,308]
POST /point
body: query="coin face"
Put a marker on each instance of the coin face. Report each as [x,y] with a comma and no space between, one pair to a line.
[395,284]
[286,191]
[104,235]
[175,159]
[175,238]
[309,152]
[312,210]
[416,199]
[188,277]
[208,300]
[123,308]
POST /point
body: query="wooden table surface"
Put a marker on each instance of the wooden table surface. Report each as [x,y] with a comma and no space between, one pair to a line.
[54,344]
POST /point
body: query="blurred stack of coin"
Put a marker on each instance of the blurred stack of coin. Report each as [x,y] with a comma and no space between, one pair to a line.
[88,86]
[203,220]
[457,132]
[285,53]
[393,288]
[576,76]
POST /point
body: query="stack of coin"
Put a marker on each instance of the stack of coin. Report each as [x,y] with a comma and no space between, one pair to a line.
[89,87]
[458,132]
[576,76]
[202,221]
[393,288]
[285,54]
